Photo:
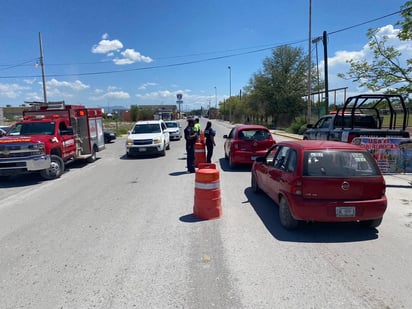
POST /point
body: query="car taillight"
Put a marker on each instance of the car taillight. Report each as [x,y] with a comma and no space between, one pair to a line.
[297,187]
[351,136]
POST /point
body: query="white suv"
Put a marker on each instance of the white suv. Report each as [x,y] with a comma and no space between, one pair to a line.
[148,137]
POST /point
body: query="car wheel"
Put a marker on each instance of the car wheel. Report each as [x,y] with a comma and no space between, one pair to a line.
[168,146]
[285,216]
[55,170]
[255,186]
[372,223]
[163,152]
[231,164]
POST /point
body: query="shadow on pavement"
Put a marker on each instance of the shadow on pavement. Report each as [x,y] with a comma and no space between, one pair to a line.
[316,232]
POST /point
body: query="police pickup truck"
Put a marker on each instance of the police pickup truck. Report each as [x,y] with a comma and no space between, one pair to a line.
[360,116]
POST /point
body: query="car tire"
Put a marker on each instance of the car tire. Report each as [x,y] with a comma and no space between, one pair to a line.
[372,223]
[55,170]
[168,146]
[163,152]
[285,216]
[254,184]
[231,164]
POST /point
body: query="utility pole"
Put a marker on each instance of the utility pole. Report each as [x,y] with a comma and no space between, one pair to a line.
[230,93]
[310,62]
[42,70]
[325,55]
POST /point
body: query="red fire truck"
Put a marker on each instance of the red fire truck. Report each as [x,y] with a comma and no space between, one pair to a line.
[50,136]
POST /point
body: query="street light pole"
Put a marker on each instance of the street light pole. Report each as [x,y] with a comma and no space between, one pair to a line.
[230,93]
[42,69]
[215,97]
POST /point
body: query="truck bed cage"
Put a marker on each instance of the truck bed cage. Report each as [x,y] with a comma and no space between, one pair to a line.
[376,105]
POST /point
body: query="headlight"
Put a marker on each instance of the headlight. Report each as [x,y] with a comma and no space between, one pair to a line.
[157,140]
[129,142]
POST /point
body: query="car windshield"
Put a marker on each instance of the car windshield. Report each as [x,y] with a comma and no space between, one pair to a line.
[171,124]
[339,164]
[253,135]
[33,128]
[146,128]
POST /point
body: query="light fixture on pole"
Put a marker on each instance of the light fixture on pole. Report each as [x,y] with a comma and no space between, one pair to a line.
[230,93]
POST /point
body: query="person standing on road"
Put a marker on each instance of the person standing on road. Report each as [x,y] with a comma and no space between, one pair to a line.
[210,141]
[197,127]
[190,137]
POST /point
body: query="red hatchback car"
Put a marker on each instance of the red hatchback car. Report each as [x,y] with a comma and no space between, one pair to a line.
[321,181]
[245,143]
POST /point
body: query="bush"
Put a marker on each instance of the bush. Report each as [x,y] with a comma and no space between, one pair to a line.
[298,126]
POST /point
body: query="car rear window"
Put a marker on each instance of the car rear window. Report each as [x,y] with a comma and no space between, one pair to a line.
[253,135]
[339,164]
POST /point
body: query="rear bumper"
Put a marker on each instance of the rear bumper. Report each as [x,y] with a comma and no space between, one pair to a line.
[246,157]
[325,211]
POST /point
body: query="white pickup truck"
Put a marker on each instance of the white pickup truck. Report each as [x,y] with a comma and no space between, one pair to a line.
[148,138]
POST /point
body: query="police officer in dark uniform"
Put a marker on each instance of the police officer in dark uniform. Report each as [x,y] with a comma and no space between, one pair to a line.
[210,141]
[190,137]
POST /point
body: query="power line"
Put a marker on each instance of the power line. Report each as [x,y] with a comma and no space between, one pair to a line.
[189,55]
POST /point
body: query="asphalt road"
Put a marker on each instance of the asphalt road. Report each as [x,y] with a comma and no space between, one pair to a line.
[120,233]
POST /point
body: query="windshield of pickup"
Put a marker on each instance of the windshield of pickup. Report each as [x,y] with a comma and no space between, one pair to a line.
[146,128]
[32,128]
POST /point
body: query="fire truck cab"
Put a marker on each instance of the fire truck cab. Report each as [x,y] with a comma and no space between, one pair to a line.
[49,137]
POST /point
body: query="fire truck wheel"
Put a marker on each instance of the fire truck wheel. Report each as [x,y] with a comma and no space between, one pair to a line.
[55,170]
[93,157]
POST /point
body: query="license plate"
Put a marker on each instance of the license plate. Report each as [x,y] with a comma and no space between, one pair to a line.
[253,158]
[142,149]
[345,211]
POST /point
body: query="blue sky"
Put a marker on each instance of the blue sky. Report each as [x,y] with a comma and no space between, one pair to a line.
[118,53]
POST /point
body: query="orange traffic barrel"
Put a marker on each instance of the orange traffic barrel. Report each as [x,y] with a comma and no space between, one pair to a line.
[202,138]
[207,192]
[200,153]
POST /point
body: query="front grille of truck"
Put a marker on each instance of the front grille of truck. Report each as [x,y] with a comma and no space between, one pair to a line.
[138,142]
[19,151]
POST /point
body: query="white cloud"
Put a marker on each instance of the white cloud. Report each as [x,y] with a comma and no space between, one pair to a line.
[76,85]
[116,95]
[146,85]
[30,81]
[11,91]
[112,95]
[107,46]
[131,56]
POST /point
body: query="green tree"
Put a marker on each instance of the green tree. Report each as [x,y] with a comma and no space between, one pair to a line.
[277,90]
[385,70]
[134,112]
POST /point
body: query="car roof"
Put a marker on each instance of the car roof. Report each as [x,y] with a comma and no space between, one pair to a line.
[250,127]
[321,145]
[149,121]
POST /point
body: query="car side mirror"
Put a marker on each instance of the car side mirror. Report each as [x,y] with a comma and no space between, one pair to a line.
[309,126]
[225,136]
[260,159]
